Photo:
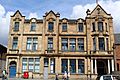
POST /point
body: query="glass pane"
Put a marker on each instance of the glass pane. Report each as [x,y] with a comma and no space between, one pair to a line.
[16,26]
[64,44]
[80,27]
[64,65]
[81,44]
[80,66]
[64,27]
[15,42]
[37,67]
[100,26]
[73,66]
[101,44]
[50,26]
[33,26]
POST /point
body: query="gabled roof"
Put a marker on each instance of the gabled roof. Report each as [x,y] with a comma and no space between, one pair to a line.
[16,13]
[100,8]
[52,13]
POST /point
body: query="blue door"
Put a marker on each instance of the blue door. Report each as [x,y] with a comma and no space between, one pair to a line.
[12,71]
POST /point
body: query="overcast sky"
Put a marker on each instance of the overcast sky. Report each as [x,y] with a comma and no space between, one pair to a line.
[67,9]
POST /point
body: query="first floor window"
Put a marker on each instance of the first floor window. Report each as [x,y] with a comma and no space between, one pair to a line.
[101,44]
[72,66]
[50,43]
[80,66]
[72,44]
[32,43]
[35,44]
[64,65]
[64,44]
[15,43]
[29,43]
[100,26]
[81,44]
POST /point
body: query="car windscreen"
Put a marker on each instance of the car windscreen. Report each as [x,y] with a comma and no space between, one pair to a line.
[107,78]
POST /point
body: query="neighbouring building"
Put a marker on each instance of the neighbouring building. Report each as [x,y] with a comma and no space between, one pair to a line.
[49,46]
[3,51]
[117,50]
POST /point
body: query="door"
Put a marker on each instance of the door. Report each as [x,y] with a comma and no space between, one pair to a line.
[102,67]
[45,73]
[12,70]
[46,62]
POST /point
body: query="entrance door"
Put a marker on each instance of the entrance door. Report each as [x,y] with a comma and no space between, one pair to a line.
[102,67]
[46,62]
[12,69]
[45,73]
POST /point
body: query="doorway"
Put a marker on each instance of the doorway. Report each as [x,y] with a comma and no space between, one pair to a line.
[12,69]
[102,68]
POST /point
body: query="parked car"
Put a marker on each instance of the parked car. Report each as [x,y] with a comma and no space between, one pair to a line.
[110,77]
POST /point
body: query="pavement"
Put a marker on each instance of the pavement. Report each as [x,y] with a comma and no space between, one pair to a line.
[35,79]
[24,79]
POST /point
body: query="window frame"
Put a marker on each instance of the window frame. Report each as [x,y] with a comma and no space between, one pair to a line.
[79,64]
[80,44]
[100,26]
[33,26]
[72,43]
[15,43]
[64,27]
[72,65]
[50,26]
[16,26]
[101,44]
[80,27]
[50,43]
[64,44]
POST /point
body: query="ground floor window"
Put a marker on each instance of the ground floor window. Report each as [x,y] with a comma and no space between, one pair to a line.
[80,66]
[31,64]
[72,65]
[37,65]
[24,64]
[64,65]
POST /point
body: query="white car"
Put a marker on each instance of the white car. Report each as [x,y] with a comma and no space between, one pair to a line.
[109,77]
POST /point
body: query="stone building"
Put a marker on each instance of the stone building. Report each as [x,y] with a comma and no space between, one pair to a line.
[3,51]
[49,46]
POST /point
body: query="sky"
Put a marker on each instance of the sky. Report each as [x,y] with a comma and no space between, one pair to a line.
[72,9]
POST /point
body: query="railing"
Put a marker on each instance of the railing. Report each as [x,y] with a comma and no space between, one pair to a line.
[49,51]
[72,50]
[101,52]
